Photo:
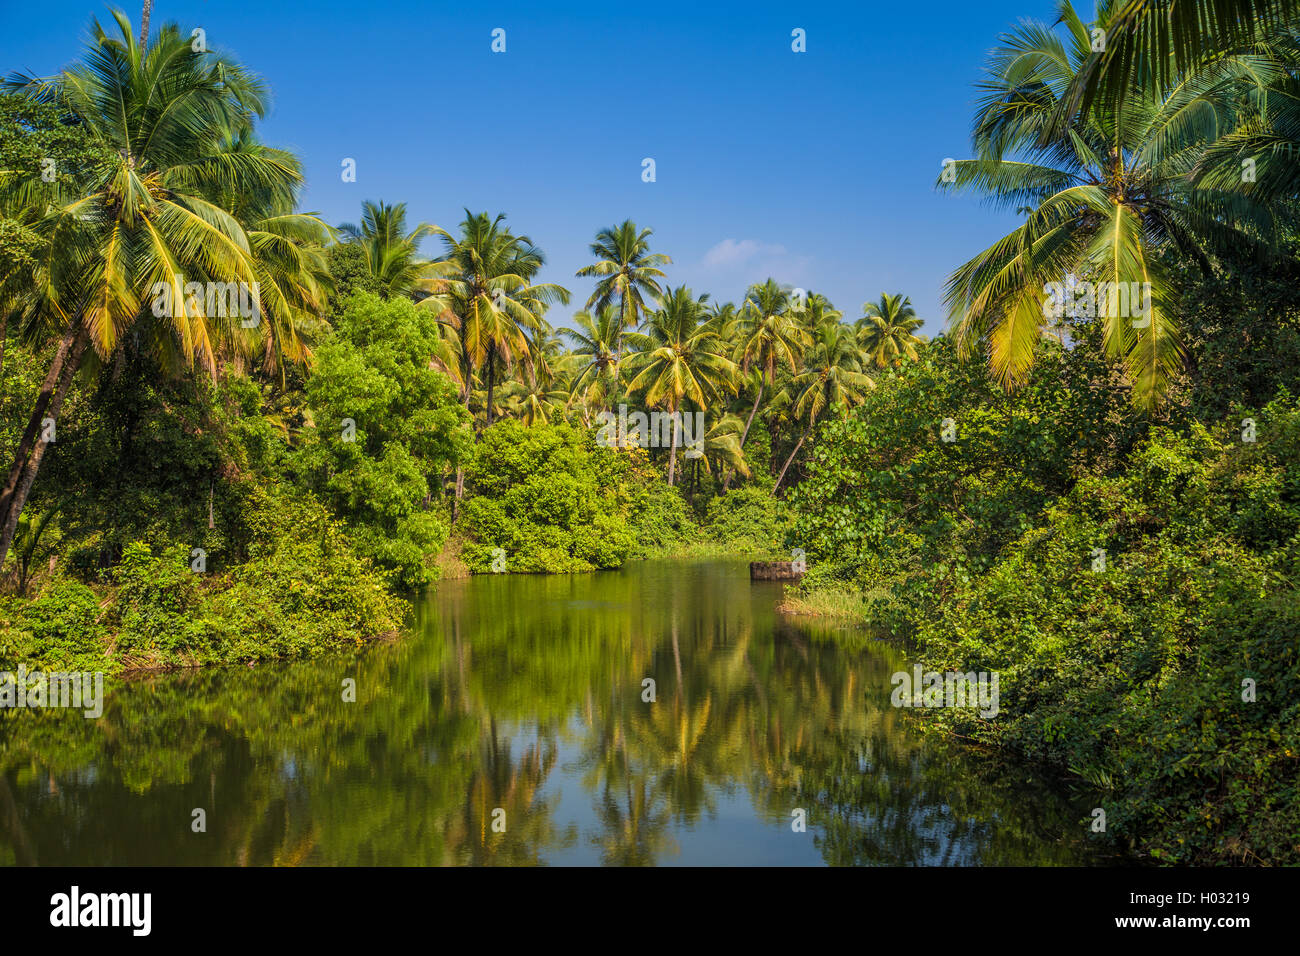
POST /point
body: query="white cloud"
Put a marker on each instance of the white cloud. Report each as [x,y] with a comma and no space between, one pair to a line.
[728,268]
[730,253]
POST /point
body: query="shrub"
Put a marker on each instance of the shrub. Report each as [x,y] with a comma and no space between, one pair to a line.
[548,496]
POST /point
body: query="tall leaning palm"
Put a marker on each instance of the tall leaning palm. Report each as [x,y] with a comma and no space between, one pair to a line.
[833,376]
[773,337]
[887,330]
[627,269]
[679,360]
[149,216]
[1109,193]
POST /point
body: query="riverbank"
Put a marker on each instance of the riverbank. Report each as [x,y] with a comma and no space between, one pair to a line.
[156,613]
[1142,625]
[302,591]
[833,603]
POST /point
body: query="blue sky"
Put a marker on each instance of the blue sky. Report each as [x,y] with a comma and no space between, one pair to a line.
[815,167]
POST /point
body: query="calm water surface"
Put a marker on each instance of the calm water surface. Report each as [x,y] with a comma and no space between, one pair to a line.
[524,695]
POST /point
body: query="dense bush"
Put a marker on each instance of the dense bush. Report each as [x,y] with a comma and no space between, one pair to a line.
[1132,676]
[924,484]
[59,629]
[388,426]
[749,520]
[981,550]
[550,498]
[303,590]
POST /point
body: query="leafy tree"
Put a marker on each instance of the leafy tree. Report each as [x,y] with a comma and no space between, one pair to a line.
[387,425]
[549,497]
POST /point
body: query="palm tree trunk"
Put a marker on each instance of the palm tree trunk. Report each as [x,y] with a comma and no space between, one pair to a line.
[28,440]
[797,446]
[672,454]
[726,482]
[460,468]
[144,21]
[491,384]
[33,463]
[752,412]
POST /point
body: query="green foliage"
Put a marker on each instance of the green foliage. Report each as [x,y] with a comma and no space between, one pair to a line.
[1243,332]
[551,498]
[350,270]
[1133,676]
[34,133]
[887,497]
[60,626]
[387,428]
[302,591]
[981,550]
[750,520]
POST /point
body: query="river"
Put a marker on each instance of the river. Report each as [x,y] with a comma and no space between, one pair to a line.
[512,726]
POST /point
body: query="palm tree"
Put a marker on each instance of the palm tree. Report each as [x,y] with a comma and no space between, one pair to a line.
[628,269]
[392,253]
[486,291]
[542,396]
[772,337]
[1109,192]
[722,446]
[596,342]
[536,401]
[832,377]
[148,217]
[679,360]
[1166,37]
[886,330]
[288,250]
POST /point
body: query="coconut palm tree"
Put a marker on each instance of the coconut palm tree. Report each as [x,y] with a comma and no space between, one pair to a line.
[679,360]
[147,219]
[1109,192]
[542,396]
[392,254]
[772,337]
[886,330]
[1268,141]
[722,448]
[536,401]
[833,376]
[627,269]
[485,291]
[1166,38]
[289,252]
[595,344]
